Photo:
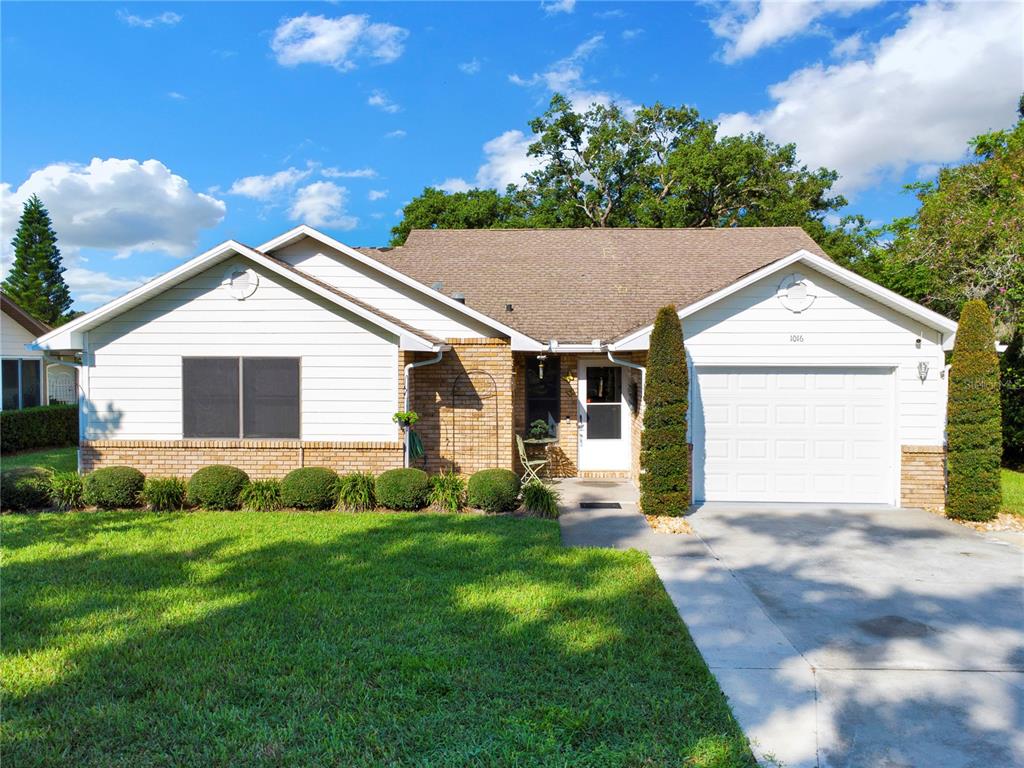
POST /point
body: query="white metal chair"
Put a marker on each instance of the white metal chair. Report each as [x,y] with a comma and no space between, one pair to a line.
[529,465]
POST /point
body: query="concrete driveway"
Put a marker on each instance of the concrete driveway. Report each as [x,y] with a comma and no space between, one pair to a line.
[850,637]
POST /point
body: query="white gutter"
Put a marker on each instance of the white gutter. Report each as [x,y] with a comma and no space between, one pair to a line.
[635,367]
[406,371]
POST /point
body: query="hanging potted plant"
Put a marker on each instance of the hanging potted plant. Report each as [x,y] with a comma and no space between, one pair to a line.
[406,419]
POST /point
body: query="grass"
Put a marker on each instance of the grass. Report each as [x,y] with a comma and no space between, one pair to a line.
[256,639]
[57,459]
[1013,492]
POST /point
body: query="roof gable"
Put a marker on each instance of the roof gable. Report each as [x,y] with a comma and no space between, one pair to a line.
[13,310]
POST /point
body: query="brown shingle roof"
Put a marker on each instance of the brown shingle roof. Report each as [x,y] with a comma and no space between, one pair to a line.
[13,310]
[575,285]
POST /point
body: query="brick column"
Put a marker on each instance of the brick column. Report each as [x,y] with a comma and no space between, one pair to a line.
[923,476]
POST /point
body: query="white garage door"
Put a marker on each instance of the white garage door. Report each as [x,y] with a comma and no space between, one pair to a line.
[799,434]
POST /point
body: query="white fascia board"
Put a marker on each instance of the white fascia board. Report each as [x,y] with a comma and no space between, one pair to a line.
[639,339]
[520,341]
[69,336]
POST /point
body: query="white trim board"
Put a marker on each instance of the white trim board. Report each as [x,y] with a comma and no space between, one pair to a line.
[638,340]
[69,336]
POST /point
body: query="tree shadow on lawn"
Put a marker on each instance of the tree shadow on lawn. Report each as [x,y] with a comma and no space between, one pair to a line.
[350,640]
[915,630]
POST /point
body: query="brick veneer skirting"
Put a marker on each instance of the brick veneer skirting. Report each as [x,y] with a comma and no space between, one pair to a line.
[259,458]
[923,476]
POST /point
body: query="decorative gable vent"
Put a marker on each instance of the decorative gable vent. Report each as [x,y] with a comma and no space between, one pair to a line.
[239,282]
[796,293]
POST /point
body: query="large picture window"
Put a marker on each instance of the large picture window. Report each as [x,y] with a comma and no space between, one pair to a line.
[22,381]
[232,397]
[543,400]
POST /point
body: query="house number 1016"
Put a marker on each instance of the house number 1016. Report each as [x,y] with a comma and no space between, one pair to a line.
[796,337]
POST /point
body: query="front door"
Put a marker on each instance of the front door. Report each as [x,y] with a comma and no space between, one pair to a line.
[603,418]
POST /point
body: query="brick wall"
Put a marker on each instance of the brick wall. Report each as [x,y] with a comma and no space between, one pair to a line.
[923,476]
[258,458]
[561,455]
[469,427]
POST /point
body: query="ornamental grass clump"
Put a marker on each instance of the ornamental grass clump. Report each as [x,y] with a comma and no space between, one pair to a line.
[356,492]
[973,419]
[447,492]
[664,454]
[310,488]
[261,496]
[114,488]
[66,489]
[165,494]
[216,487]
[494,490]
[540,500]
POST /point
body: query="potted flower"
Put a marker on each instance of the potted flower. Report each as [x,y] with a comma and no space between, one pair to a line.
[405,419]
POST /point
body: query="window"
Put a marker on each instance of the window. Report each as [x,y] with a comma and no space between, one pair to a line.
[543,400]
[231,397]
[22,383]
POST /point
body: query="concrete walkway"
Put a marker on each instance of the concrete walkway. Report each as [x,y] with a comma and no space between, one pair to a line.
[844,637]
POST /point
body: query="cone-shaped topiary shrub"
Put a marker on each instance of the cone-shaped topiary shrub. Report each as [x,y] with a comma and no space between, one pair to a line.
[973,419]
[310,488]
[217,486]
[664,454]
[113,487]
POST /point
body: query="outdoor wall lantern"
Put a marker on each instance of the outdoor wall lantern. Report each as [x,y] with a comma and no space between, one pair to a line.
[922,370]
[540,366]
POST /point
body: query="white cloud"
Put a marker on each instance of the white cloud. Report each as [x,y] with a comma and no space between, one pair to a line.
[396,134]
[165,19]
[377,194]
[336,42]
[505,162]
[565,76]
[470,67]
[176,96]
[750,26]
[116,204]
[615,13]
[355,173]
[848,47]
[380,100]
[455,184]
[951,72]
[631,34]
[265,187]
[92,288]
[322,204]
[558,6]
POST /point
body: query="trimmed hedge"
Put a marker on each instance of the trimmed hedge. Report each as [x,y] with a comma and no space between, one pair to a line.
[217,486]
[25,488]
[664,454]
[494,490]
[113,488]
[310,488]
[47,426]
[402,488]
[973,419]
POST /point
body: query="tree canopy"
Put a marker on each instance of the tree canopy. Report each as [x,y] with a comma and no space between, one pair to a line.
[36,280]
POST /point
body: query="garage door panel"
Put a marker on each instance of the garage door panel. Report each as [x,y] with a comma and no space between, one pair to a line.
[795,435]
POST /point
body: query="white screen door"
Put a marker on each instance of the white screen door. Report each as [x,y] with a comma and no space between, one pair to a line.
[603,417]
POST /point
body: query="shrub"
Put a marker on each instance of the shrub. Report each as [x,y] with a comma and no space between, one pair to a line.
[66,490]
[113,487]
[25,488]
[356,492]
[447,492]
[1011,387]
[973,420]
[46,426]
[540,500]
[262,496]
[310,488]
[402,488]
[217,486]
[494,490]
[165,494]
[664,454]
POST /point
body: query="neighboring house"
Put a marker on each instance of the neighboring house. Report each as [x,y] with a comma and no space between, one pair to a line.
[29,380]
[807,382]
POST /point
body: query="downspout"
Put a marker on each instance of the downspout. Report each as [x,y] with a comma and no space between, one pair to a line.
[634,366]
[408,368]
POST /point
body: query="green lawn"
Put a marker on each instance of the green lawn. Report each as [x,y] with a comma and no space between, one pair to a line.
[216,639]
[1013,492]
[59,459]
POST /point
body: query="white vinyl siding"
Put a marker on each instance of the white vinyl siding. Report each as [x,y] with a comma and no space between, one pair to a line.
[841,328]
[349,368]
[13,338]
[384,293]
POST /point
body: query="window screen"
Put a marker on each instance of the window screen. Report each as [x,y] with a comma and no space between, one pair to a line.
[210,396]
[604,403]
[31,383]
[542,392]
[9,375]
[270,397]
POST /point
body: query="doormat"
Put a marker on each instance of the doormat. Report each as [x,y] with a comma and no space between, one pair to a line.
[600,505]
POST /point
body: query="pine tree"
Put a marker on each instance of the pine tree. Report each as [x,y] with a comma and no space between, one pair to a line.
[664,454]
[973,419]
[36,280]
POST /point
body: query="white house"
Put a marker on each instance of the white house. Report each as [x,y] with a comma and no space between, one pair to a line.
[808,382]
[28,379]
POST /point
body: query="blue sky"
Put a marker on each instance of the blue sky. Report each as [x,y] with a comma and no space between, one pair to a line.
[153,131]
